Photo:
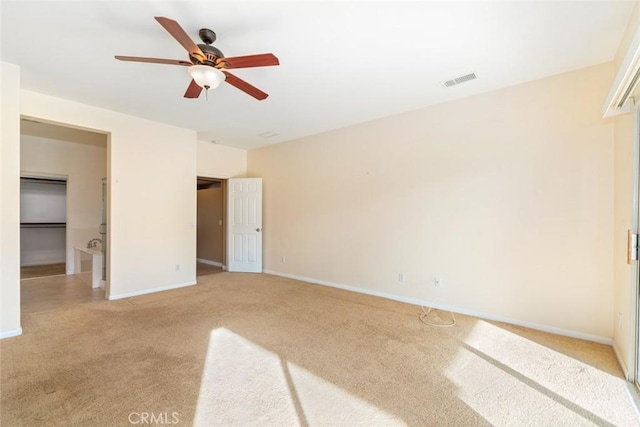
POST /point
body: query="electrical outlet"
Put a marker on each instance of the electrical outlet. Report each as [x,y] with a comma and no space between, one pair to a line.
[436,282]
[401,277]
[177,267]
[283,259]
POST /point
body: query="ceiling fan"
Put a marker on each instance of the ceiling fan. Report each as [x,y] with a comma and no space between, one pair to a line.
[207,64]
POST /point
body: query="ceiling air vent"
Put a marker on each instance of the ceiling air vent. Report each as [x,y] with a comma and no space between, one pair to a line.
[459,80]
[268,134]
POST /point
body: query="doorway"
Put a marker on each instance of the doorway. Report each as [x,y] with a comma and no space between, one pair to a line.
[75,162]
[211,226]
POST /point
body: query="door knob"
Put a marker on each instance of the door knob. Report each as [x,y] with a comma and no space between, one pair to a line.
[258,230]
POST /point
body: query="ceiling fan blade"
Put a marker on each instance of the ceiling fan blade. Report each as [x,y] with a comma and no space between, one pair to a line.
[179,34]
[261,60]
[153,60]
[244,86]
[193,91]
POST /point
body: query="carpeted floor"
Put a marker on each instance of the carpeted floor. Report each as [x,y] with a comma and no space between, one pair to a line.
[247,349]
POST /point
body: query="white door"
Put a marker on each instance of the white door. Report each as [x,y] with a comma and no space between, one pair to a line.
[244,219]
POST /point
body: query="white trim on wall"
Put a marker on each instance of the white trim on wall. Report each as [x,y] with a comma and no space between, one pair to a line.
[10,334]
[150,291]
[621,361]
[209,262]
[543,328]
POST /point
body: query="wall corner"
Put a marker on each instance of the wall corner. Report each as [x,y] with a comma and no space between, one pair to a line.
[9,200]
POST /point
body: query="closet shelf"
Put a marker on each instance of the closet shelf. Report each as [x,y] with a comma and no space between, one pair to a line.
[43,225]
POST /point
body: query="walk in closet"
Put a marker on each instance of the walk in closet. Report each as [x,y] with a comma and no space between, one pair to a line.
[43,223]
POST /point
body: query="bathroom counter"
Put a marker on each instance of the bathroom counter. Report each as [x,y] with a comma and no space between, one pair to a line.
[96,263]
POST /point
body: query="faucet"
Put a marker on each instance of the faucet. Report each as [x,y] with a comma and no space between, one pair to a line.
[93,243]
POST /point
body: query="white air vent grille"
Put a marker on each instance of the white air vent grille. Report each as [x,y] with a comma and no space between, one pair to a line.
[459,80]
[268,134]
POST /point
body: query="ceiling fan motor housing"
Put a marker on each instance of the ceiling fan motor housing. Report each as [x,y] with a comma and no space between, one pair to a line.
[211,54]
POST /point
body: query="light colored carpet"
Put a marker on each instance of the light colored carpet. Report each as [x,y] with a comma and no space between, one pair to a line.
[246,349]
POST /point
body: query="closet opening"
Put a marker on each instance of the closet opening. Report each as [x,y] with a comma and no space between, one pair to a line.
[43,227]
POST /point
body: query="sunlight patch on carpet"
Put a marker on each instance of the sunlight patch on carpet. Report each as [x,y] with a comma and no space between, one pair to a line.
[245,384]
[325,404]
[545,383]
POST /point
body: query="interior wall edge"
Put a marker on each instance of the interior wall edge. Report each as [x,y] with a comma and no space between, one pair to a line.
[10,320]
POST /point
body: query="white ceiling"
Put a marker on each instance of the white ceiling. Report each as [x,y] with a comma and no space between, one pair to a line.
[341,62]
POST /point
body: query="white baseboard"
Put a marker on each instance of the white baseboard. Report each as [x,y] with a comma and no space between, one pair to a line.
[150,291]
[10,334]
[622,362]
[209,262]
[415,301]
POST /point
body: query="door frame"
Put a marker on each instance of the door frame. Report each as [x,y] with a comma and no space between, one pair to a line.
[634,369]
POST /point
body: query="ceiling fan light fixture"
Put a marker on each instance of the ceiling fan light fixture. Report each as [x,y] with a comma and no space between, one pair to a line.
[205,76]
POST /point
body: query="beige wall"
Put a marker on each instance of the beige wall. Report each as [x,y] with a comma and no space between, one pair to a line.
[623,155]
[630,32]
[62,133]
[507,197]
[152,170]
[220,161]
[152,211]
[9,200]
[85,166]
[210,226]
[623,341]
